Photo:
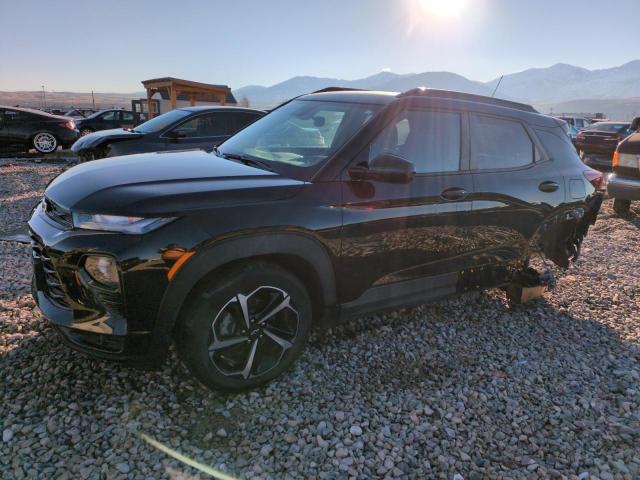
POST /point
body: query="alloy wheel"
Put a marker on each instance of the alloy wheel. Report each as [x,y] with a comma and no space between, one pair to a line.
[45,142]
[251,333]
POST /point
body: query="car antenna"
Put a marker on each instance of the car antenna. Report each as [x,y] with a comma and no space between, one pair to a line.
[496,89]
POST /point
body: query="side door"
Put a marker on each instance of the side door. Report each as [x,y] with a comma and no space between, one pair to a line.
[16,126]
[515,185]
[125,119]
[201,131]
[406,239]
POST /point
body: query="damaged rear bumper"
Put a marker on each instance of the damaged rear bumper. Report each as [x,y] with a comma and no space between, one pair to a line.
[561,236]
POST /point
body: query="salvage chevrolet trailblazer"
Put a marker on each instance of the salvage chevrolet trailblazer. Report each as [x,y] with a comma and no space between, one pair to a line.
[335,204]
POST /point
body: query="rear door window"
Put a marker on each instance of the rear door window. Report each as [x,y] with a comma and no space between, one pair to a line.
[499,143]
[239,120]
[210,125]
[429,139]
[110,116]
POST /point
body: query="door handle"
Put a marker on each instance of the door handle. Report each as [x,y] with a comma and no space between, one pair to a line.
[454,193]
[548,186]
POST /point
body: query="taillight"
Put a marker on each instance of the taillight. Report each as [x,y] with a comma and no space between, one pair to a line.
[595,178]
[70,125]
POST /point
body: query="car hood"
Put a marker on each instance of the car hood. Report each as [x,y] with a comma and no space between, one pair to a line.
[166,184]
[103,137]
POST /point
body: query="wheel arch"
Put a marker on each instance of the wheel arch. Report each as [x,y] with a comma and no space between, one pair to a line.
[301,254]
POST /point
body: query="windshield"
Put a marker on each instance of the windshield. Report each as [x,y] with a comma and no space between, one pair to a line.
[158,123]
[301,134]
[608,127]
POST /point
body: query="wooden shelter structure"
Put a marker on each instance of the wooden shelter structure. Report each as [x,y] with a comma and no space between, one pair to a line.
[175,87]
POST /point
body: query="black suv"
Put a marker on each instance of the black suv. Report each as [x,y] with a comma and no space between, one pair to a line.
[190,127]
[23,128]
[335,204]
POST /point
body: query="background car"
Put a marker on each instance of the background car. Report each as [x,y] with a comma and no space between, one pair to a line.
[578,123]
[106,119]
[624,183]
[22,129]
[191,127]
[597,143]
[79,113]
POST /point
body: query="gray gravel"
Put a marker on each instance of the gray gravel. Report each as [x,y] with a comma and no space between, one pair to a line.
[464,388]
[21,186]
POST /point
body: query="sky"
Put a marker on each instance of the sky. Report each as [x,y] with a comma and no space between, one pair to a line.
[112,45]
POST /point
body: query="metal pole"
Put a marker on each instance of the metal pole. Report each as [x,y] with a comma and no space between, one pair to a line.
[44,98]
[93,100]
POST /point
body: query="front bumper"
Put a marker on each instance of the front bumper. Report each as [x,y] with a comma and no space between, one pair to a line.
[115,324]
[623,188]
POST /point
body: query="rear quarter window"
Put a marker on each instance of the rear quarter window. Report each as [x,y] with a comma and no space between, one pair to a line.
[557,145]
[499,143]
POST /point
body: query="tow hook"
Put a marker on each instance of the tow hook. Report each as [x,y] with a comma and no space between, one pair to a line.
[528,284]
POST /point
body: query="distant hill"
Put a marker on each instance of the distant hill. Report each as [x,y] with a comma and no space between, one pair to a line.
[562,82]
[558,88]
[67,99]
[551,85]
[614,109]
[267,97]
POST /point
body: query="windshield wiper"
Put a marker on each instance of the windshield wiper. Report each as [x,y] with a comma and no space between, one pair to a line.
[244,159]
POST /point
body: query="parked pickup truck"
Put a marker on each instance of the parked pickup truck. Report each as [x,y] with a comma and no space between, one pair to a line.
[624,183]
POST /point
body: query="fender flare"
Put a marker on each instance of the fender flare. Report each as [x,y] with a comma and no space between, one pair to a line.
[222,252]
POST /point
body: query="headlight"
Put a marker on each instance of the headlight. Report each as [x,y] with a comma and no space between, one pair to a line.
[102,269]
[115,223]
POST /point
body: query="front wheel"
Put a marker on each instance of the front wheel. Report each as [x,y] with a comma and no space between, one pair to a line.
[620,206]
[45,142]
[246,327]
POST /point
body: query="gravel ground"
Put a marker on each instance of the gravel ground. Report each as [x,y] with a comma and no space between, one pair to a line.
[467,387]
[21,187]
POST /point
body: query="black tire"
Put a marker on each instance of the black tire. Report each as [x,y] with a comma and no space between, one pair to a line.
[44,142]
[621,207]
[224,360]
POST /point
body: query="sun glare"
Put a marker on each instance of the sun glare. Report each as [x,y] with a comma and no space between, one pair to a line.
[443,8]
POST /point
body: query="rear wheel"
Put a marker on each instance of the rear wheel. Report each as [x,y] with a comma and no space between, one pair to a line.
[45,142]
[246,327]
[620,206]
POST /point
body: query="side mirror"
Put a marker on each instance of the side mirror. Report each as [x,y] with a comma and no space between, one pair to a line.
[635,124]
[386,167]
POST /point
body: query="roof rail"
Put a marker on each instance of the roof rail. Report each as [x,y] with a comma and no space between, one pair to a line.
[337,89]
[471,97]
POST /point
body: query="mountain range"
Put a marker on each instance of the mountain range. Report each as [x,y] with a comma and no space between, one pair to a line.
[560,88]
[549,87]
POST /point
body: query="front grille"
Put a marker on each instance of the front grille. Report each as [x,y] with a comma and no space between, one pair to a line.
[52,280]
[58,214]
